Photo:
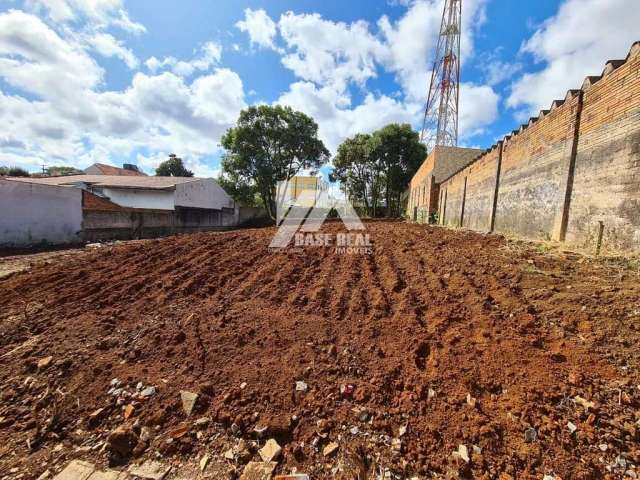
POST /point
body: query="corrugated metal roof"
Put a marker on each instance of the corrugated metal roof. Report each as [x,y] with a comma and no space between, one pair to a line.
[115,181]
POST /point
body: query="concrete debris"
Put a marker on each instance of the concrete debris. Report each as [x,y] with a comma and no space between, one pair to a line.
[204,461]
[271,451]
[463,451]
[572,427]
[301,386]
[202,422]
[148,392]
[293,476]
[258,471]
[76,470]
[471,401]
[150,470]
[189,400]
[402,430]
[530,435]
[45,475]
[44,362]
[584,402]
[330,449]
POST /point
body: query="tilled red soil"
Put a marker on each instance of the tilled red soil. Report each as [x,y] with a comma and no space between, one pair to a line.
[529,360]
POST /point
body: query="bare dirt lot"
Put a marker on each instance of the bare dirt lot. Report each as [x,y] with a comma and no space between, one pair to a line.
[521,361]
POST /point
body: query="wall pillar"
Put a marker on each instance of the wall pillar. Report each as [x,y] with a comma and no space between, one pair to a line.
[496,190]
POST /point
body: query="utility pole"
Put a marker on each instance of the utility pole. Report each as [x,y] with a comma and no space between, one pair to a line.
[440,125]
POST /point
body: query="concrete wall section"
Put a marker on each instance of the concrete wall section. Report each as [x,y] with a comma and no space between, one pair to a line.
[140,198]
[533,174]
[204,193]
[455,197]
[481,184]
[34,213]
[607,173]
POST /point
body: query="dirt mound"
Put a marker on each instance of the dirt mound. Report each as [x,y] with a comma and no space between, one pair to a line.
[523,363]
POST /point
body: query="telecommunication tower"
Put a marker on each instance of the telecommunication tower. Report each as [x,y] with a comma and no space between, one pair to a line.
[440,125]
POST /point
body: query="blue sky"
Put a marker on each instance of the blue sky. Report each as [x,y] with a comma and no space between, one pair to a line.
[112,81]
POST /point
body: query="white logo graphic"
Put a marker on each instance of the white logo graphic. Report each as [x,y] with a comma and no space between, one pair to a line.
[303,204]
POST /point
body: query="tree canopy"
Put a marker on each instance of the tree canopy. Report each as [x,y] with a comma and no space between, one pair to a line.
[173,167]
[376,169]
[14,172]
[271,144]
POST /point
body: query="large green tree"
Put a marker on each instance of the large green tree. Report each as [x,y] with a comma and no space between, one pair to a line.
[271,144]
[376,169]
[173,167]
[399,153]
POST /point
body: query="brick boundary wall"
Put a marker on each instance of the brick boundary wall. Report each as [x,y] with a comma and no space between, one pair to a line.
[572,174]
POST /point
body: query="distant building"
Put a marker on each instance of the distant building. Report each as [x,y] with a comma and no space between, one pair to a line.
[102,207]
[127,170]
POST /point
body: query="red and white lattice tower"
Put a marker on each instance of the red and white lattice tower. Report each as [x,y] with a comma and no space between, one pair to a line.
[440,126]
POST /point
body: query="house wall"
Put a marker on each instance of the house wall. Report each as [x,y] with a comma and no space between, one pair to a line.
[568,175]
[100,225]
[34,213]
[139,198]
[204,193]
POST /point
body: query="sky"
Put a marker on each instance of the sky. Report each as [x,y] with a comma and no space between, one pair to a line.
[115,81]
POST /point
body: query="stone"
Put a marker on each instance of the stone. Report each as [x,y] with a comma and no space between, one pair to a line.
[189,400]
[402,430]
[330,449]
[44,362]
[229,455]
[463,452]
[45,475]
[76,470]
[202,422]
[150,470]
[301,386]
[471,401]
[271,451]
[572,427]
[258,471]
[293,476]
[148,392]
[396,444]
[530,435]
[204,461]
[122,440]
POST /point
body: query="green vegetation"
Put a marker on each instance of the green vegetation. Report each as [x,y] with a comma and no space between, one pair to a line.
[13,172]
[270,144]
[376,169]
[173,167]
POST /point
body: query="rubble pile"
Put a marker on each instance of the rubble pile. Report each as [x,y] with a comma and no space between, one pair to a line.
[443,354]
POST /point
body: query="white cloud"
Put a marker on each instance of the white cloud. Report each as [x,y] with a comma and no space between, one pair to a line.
[573,44]
[210,55]
[329,52]
[478,109]
[260,27]
[99,13]
[36,59]
[108,46]
[336,118]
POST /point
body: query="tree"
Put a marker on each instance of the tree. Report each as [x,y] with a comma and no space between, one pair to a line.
[14,172]
[399,153]
[380,165]
[355,169]
[173,167]
[271,144]
[242,192]
[62,170]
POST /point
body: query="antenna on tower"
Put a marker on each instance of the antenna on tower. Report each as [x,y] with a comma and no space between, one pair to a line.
[440,125]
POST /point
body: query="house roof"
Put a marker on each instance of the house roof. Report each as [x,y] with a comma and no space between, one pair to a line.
[113,181]
[111,170]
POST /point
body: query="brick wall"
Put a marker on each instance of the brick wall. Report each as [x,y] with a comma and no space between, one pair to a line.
[607,171]
[481,186]
[566,175]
